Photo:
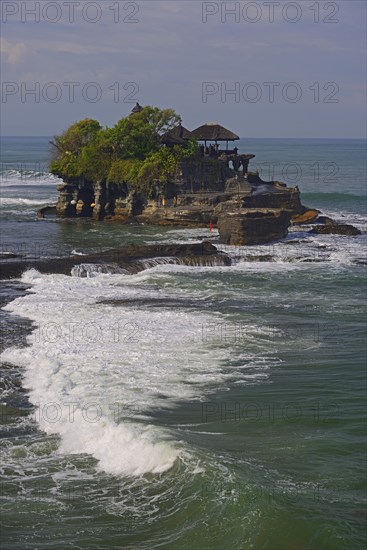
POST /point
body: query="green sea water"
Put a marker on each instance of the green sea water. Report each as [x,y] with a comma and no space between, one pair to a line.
[187,407]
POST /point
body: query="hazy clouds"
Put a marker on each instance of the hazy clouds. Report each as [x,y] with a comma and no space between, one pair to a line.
[294,68]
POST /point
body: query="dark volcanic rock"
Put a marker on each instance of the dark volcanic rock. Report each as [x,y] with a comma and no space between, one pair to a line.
[259,258]
[324,220]
[336,229]
[47,211]
[251,226]
[9,255]
[127,258]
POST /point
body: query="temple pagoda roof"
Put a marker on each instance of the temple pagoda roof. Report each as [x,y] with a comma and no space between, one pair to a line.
[213,132]
[177,136]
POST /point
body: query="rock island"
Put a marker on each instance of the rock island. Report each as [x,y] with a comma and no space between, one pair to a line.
[150,169]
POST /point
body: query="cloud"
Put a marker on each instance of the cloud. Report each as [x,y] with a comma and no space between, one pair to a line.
[16,52]
[13,53]
[170,52]
[76,48]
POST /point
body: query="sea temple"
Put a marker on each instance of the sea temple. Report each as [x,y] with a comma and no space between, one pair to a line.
[190,178]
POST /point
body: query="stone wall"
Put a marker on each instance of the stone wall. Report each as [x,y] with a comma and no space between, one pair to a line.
[203,175]
[251,226]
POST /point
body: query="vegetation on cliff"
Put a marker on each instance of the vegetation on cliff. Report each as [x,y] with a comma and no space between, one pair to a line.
[130,152]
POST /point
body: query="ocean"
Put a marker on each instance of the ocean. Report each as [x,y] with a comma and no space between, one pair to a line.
[186,407]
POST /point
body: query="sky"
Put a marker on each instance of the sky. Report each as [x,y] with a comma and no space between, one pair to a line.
[259,68]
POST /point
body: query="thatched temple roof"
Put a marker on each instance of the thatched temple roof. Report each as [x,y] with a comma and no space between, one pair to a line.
[176,136]
[213,132]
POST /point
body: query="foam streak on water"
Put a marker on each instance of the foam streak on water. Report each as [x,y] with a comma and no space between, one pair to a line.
[95,370]
[22,177]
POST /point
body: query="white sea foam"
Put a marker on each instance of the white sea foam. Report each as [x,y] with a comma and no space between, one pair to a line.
[27,178]
[359,220]
[298,250]
[101,360]
[7,201]
[93,270]
[96,370]
[76,253]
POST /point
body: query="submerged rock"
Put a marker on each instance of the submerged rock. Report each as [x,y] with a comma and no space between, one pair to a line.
[258,258]
[324,220]
[47,211]
[336,229]
[126,259]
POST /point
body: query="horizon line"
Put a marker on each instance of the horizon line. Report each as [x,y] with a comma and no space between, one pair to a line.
[243,137]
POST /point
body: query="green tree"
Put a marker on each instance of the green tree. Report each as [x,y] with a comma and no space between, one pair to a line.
[75,137]
[125,170]
[68,147]
[131,152]
[138,135]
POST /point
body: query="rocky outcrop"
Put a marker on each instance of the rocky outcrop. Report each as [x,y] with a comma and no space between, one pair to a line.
[274,196]
[249,212]
[309,216]
[129,259]
[336,229]
[324,220]
[206,191]
[323,224]
[65,204]
[253,226]
[46,211]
